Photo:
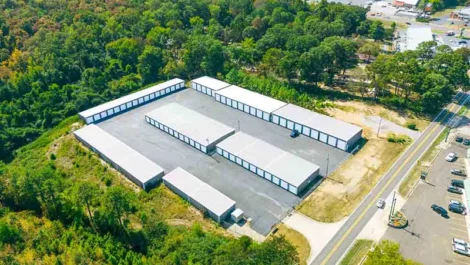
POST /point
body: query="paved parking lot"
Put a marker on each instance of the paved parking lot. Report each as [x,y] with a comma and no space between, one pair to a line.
[431,242]
[265,203]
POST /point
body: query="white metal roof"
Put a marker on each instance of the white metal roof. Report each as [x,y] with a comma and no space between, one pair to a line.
[139,166]
[194,125]
[198,190]
[250,98]
[417,35]
[122,100]
[410,2]
[339,129]
[212,83]
[284,165]
[464,12]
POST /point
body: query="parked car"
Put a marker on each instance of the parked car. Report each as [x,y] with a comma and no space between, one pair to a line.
[438,209]
[380,203]
[466,141]
[451,157]
[457,183]
[460,249]
[408,23]
[454,202]
[294,133]
[457,172]
[460,242]
[456,209]
[458,139]
[453,189]
[463,42]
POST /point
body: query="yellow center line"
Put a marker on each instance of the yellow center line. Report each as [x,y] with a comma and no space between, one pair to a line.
[361,216]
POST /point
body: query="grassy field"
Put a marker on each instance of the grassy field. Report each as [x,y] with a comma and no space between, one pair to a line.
[340,194]
[407,184]
[446,11]
[296,239]
[358,251]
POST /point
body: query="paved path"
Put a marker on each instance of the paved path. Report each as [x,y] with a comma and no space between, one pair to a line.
[339,244]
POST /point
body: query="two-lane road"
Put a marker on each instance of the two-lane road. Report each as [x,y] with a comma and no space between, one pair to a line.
[339,244]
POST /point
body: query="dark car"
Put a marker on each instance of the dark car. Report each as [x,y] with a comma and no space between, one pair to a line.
[462,42]
[456,208]
[438,209]
[466,141]
[408,23]
[458,139]
[294,133]
[457,183]
[457,172]
[453,189]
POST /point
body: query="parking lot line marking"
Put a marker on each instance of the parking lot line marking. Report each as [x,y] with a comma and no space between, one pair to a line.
[389,181]
[458,229]
[457,224]
[457,236]
[459,260]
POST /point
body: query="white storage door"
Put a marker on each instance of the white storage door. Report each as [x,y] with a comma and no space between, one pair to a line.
[298,127]
[246,165]
[167,90]
[117,110]
[146,98]
[260,172]
[341,145]
[226,155]
[181,136]
[314,134]
[193,85]
[217,97]
[259,114]
[147,119]
[267,176]
[141,100]
[232,158]
[229,102]
[123,107]
[104,114]
[323,137]
[152,122]
[135,103]
[276,119]
[265,116]
[332,141]
[252,111]
[290,125]
[219,151]
[173,88]
[275,180]
[204,89]
[203,148]
[152,96]
[238,160]
[252,168]
[293,189]
[129,104]
[246,108]
[283,122]
[209,92]
[284,184]
[97,117]
[198,88]
[191,142]
[110,112]
[306,131]
[240,106]
[89,120]
[157,94]
[234,104]
[198,146]
[223,99]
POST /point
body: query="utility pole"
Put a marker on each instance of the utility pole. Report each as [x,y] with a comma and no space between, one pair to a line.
[378,129]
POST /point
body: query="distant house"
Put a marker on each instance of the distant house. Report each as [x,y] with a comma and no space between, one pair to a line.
[463,14]
[428,7]
[405,3]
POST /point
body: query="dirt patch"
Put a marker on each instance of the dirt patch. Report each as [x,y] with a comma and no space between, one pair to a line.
[296,239]
[340,194]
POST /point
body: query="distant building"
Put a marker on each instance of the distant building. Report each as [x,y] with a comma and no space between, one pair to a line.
[405,3]
[413,37]
[428,7]
[463,14]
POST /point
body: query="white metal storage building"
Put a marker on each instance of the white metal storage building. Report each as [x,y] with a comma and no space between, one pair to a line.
[118,106]
[328,130]
[126,160]
[200,194]
[191,127]
[208,85]
[284,169]
[248,101]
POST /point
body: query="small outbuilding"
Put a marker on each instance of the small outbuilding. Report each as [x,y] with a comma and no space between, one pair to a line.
[189,126]
[284,169]
[204,197]
[122,104]
[248,101]
[208,85]
[138,168]
[328,130]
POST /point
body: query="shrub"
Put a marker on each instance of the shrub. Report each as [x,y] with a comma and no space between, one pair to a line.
[411,126]
[53,157]
[400,139]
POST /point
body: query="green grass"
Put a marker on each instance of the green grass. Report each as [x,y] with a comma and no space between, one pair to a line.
[358,251]
[463,110]
[408,183]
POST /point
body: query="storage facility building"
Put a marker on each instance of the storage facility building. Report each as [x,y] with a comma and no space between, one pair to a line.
[200,194]
[191,127]
[248,101]
[208,85]
[120,105]
[139,169]
[284,169]
[328,130]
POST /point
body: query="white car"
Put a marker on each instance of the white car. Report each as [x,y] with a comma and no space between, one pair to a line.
[456,241]
[380,203]
[451,157]
[461,249]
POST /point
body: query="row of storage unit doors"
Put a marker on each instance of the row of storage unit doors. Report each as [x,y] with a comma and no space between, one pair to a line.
[176,134]
[317,135]
[243,107]
[134,103]
[203,89]
[258,171]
